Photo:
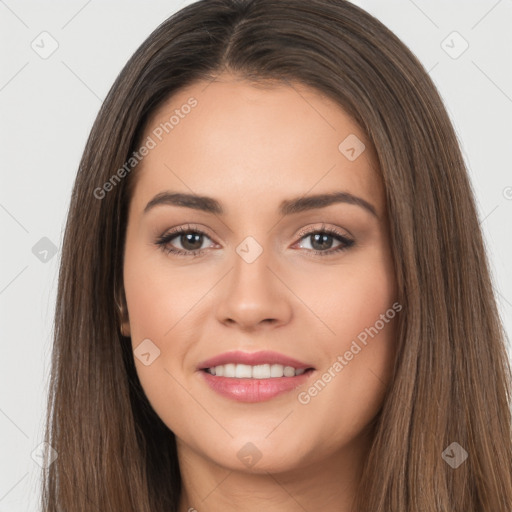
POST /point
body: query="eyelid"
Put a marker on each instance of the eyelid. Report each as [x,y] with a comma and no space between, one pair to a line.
[177,230]
[324,227]
[174,232]
[185,228]
[164,240]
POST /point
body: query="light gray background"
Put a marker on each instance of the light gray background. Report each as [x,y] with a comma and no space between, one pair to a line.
[48,106]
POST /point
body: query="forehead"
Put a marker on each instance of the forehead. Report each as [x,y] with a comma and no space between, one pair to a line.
[233,139]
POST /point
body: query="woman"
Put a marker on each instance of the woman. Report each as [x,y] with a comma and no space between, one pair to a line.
[274,292]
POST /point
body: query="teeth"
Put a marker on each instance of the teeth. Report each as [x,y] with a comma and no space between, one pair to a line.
[229,370]
[276,370]
[260,371]
[289,371]
[243,371]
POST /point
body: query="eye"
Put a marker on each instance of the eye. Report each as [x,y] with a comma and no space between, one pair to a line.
[321,241]
[191,241]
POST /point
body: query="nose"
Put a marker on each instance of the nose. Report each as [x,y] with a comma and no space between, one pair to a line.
[254,295]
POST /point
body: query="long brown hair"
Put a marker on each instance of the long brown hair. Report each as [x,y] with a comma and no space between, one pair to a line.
[452,377]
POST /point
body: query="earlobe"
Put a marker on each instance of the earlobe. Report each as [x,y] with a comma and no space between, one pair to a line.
[125,329]
[123,319]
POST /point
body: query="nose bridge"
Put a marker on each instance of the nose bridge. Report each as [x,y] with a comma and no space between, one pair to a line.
[253,293]
[251,276]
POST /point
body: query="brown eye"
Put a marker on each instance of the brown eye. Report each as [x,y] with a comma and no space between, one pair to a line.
[190,240]
[322,240]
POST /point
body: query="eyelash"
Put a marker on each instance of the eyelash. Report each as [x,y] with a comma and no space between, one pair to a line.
[163,241]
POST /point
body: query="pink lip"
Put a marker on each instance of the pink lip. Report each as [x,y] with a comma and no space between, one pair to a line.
[253,359]
[253,390]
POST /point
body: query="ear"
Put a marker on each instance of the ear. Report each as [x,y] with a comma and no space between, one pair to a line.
[122,310]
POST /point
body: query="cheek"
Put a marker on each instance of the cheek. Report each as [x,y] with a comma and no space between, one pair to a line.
[349,389]
[158,310]
[158,298]
[349,297]
[163,305]
[359,315]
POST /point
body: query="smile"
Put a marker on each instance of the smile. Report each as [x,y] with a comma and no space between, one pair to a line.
[260,371]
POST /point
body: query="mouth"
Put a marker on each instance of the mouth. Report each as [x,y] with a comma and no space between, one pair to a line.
[240,362]
[260,371]
[254,377]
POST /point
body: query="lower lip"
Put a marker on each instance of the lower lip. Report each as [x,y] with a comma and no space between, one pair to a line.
[253,390]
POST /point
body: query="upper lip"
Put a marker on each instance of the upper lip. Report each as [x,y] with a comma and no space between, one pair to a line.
[252,359]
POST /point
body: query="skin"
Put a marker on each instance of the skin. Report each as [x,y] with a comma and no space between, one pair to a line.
[251,147]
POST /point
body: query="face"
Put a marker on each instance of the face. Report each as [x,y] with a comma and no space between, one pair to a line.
[273,268]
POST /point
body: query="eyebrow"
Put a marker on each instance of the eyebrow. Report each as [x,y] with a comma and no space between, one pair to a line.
[287,207]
